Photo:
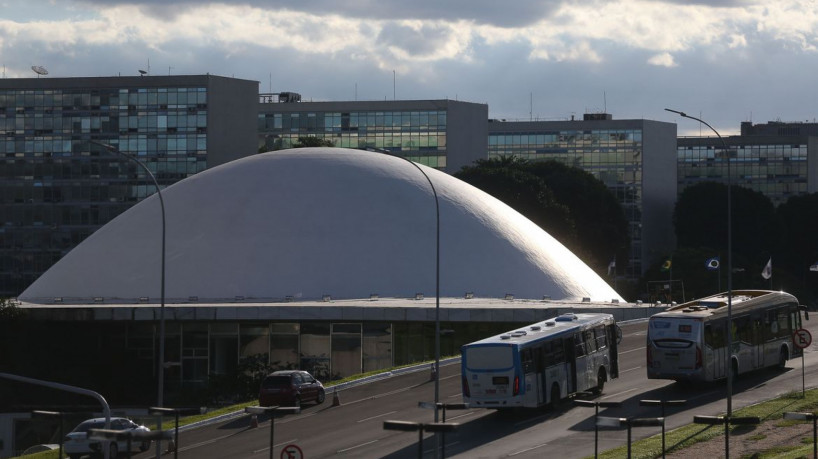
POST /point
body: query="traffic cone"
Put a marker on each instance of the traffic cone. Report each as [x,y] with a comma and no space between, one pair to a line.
[254,421]
[433,375]
[335,400]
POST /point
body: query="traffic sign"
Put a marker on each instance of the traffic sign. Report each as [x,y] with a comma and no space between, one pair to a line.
[802,338]
[292,452]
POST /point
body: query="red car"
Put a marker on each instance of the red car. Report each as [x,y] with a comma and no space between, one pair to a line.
[290,388]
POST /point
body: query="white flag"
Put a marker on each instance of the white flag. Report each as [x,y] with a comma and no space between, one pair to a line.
[768,270]
[611,266]
[814,266]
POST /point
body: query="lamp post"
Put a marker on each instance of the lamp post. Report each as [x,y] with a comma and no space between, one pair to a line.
[728,368]
[48,414]
[161,364]
[437,277]
[256,410]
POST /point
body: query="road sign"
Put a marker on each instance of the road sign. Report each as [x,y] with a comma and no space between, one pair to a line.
[802,338]
[292,452]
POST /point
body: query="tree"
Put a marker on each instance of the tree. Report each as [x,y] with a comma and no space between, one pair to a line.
[797,248]
[700,220]
[312,141]
[569,203]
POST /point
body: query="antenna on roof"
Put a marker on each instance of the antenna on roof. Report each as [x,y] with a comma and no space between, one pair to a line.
[142,72]
[39,70]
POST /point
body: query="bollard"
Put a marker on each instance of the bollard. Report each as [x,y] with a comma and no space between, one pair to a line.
[433,375]
[253,421]
[171,446]
[335,400]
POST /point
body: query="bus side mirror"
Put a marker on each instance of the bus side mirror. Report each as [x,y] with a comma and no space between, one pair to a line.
[806,312]
[619,334]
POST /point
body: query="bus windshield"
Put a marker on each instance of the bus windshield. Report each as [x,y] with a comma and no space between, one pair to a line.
[489,357]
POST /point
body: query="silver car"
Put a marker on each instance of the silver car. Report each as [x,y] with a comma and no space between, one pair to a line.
[77,443]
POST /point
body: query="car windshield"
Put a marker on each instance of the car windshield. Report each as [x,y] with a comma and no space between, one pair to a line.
[276,381]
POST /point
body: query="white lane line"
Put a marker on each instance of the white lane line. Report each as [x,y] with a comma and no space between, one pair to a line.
[377,416]
[527,449]
[276,445]
[470,413]
[632,350]
[623,392]
[356,446]
[629,369]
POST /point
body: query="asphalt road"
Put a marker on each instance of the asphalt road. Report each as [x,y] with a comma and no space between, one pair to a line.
[355,427]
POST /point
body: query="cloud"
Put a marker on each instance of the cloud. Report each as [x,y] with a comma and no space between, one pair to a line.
[662,60]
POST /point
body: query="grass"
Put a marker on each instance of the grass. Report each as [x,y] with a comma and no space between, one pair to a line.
[686,436]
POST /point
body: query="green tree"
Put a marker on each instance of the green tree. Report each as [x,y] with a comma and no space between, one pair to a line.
[312,141]
[569,203]
[797,248]
[700,220]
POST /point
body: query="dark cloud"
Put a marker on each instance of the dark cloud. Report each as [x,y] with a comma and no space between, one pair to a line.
[492,12]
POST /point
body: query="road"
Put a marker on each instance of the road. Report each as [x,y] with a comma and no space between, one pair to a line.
[355,427]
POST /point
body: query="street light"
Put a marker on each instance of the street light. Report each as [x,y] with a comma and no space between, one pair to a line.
[409,426]
[728,368]
[437,274]
[256,410]
[49,414]
[161,365]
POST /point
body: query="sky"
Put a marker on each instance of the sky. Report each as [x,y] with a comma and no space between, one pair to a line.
[724,61]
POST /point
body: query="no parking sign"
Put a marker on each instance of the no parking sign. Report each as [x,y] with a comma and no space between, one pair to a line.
[802,338]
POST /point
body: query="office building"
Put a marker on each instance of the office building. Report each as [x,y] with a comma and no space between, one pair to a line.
[776,159]
[634,158]
[444,134]
[57,187]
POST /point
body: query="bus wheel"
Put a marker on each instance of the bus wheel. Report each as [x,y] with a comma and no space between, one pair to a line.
[600,381]
[555,395]
[782,358]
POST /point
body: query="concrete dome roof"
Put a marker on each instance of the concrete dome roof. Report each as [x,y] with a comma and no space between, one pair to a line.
[316,221]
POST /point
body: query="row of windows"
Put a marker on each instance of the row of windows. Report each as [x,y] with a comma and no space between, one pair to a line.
[338,122]
[747,151]
[394,142]
[70,124]
[625,138]
[576,156]
[97,99]
[144,145]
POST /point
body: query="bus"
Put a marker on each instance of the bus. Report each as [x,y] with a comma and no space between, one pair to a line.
[542,363]
[688,342]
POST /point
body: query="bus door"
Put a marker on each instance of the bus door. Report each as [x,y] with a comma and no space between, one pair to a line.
[571,360]
[757,340]
[582,362]
[531,359]
[715,349]
[613,345]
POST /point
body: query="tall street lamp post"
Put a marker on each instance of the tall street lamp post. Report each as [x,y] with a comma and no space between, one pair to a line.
[728,368]
[161,364]
[437,276]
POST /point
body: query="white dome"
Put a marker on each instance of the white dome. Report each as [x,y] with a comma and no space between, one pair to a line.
[316,221]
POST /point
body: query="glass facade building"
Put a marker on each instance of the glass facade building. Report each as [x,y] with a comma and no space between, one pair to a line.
[779,160]
[443,134]
[634,158]
[57,187]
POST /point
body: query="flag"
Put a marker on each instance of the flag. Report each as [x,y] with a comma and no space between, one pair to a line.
[814,266]
[666,265]
[768,270]
[611,266]
[712,263]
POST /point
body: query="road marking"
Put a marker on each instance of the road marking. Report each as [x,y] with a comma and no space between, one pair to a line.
[378,416]
[276,445]
[470,413]
[629,369]
[536,419]
[356,446]
[527,449]
[623,392]
[632,350]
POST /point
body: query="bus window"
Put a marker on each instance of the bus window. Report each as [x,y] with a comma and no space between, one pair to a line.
[601,337]
[590,341]
[784,324]
[714,335]
[527,361]
[579,345]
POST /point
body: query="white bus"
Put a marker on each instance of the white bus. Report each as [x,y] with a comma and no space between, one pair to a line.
[542,363]
[688,342]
